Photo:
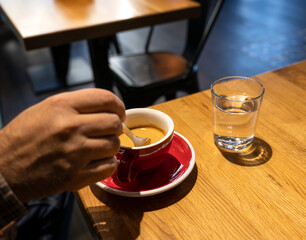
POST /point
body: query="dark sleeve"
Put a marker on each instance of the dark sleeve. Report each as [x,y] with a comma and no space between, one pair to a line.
[11,208]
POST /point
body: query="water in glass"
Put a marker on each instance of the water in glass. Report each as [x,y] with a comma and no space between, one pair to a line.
[234,121]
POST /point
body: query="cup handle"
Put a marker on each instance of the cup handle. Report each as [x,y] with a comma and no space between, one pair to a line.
[126,170]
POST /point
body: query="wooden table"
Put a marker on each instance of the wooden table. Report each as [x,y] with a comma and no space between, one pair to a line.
[256,195]
[46,23]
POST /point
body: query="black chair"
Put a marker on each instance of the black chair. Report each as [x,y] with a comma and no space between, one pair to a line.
[142,78]
[61,55]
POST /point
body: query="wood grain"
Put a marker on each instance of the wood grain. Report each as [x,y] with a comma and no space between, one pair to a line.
[44,23]
[256,195]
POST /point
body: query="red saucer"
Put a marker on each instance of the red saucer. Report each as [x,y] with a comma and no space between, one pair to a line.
[178,164]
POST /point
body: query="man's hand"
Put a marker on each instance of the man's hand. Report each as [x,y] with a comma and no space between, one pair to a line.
[61,144]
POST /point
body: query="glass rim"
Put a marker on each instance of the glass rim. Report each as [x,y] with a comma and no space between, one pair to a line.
[237,77]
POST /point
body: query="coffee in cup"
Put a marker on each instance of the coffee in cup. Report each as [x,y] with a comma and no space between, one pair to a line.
[154,133]
[144,122]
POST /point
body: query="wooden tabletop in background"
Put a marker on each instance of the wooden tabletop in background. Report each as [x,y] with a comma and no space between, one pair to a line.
[227,196]
[44,23]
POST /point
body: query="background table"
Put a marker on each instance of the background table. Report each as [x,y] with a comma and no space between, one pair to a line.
[46,23]
[260,195]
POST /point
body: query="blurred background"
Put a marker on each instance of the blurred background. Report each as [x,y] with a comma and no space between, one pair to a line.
[250,37]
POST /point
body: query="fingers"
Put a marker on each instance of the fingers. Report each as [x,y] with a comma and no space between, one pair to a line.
[100,136]
[97,148]
[96,171]
[100,124]
[101,169]
[101,165]
[90,121]
[95,100]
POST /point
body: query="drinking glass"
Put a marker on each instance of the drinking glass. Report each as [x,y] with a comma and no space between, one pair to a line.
[236,103]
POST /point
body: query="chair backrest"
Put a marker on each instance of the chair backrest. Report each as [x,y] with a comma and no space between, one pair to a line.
[199,30]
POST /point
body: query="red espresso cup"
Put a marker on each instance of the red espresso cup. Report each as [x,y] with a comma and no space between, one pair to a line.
[133,161]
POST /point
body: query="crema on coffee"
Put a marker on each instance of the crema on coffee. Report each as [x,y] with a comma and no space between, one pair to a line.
[152,132]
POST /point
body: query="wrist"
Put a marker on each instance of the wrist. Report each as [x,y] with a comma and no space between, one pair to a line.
[8,162]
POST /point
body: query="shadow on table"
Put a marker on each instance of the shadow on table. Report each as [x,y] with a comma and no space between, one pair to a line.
[121,217]
[257,154]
